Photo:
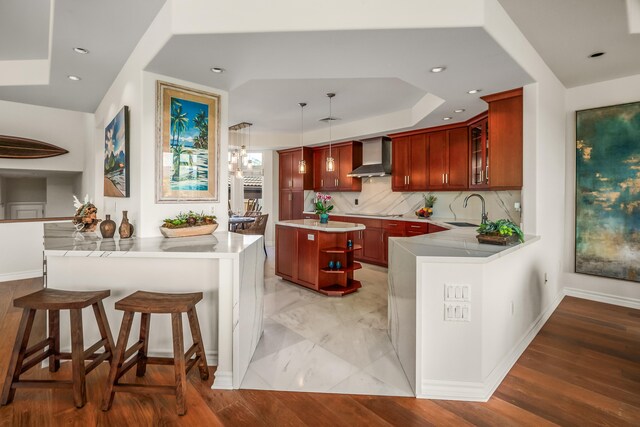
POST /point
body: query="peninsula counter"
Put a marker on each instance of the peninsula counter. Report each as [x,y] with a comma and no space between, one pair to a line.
[304,248]
[227,267]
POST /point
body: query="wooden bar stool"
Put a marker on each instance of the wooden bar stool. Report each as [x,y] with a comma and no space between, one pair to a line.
[54,300]
[147,303]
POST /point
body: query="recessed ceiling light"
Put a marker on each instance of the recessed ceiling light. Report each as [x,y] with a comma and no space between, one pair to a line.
[459,110]
[217,70]
[438,69]
[74,78]
[472,91]
[80,50]
[596,54]
[446,118]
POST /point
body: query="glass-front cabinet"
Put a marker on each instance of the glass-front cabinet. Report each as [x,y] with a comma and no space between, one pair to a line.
[479,153]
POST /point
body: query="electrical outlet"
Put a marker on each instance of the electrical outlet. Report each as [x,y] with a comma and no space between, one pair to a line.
[457,312]
[457,292]
[356,202]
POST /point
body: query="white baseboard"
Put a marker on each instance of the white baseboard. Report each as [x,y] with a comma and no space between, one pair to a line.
[482,391]
[223,380]
[602,297]
[20,275]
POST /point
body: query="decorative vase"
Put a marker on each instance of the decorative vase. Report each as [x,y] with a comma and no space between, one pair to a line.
[324,218]
[126,228]
[108,227]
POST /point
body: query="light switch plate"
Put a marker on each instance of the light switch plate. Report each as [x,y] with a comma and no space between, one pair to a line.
[457,312]
[454,292]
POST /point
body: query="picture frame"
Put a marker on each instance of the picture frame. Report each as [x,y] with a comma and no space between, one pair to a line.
[607,215]
[187,144]
[116,155]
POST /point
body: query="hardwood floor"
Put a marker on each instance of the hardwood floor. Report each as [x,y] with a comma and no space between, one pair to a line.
[583,368]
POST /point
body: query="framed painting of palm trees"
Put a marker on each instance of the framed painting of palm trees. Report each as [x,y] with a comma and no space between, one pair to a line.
[188,135]
[116,155]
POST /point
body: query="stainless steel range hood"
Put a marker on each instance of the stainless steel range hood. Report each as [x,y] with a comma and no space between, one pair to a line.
[376,158]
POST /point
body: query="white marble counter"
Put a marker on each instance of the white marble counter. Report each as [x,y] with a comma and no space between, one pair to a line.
[228,268]
[457,245]
[439,221]
[330,227]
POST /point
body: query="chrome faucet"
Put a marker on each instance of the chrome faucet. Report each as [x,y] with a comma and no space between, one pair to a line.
[485,215]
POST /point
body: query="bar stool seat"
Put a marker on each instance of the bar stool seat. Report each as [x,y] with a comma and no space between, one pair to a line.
[147,303]
[54,300]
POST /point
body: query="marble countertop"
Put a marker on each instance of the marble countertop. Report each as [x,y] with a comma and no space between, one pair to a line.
[440,221]
[457,245]
[330,227]
[61,239]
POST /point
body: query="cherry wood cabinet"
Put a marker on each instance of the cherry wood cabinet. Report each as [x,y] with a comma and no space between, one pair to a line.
[291,204]
[347,157]
[504,163]
[289,177]
[409,165]
[478,153]
[448,159]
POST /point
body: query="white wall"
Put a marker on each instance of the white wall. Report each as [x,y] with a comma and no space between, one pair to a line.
[60,191]
[25,190]
[21,245]
[70,130]
[612,92]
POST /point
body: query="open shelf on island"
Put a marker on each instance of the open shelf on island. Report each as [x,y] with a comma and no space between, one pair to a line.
[352,267]
[337,290]
[338,250]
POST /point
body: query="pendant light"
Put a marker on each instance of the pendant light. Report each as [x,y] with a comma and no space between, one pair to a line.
[302,164]
[331,163]
[249,161]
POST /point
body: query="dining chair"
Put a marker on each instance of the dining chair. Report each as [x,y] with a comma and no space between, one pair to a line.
[258,227]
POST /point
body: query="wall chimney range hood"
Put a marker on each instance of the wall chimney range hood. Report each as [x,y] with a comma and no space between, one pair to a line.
[376,158]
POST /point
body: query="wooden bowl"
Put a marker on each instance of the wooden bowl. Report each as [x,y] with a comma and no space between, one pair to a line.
[198,230]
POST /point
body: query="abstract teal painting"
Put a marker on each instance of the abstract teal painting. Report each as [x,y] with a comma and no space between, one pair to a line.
[608,191]
[188,133]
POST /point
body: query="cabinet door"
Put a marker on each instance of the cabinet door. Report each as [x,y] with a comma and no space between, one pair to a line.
[307,255]
[437,159]
[400,148]
[297,204]
[436,228]
[297,179]
[373,245]
[286,171]
[505,147]
[418,164]
[285,205]
[357,239]
[331,178]
[349,157]
[478,146]
[458,167]
[286,243]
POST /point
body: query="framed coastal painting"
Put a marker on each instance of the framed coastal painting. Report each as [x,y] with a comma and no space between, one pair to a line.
[608,191]
[116,155]
[188,140]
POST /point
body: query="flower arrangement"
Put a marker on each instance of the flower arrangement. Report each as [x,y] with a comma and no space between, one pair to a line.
[321,203]
[190,219]
[503,228]
[85,218]
[427,210]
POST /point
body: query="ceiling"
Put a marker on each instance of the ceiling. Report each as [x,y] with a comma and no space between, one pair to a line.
[373,73]
[566,32]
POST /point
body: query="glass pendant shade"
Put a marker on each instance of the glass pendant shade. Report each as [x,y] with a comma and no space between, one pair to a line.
[302,166]
[238,173]
[243,151]
[331,164]
[249,164]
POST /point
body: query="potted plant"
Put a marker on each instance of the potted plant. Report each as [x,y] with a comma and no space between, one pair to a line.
[321,207]
[500,232]
[189,224]
[427,210]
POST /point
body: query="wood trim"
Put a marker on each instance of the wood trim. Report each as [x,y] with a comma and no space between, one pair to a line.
[502,95]
[475,119]
[293,150]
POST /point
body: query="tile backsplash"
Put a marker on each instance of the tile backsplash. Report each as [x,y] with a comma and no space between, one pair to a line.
[376,197]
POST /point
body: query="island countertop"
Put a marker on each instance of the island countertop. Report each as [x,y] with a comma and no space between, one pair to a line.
[330,227]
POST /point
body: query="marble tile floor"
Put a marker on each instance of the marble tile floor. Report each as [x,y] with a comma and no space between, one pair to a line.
[315,343]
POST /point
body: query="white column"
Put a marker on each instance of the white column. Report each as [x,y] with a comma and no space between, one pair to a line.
[224,371]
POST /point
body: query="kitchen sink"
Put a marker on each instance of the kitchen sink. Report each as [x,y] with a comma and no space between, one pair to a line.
[462,224]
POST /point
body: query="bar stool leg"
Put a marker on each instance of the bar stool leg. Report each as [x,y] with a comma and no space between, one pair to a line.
[54,334]
[118,359]
[105,331]
[77,359]
[179,363]
[141,367]
[17,356]
[197,337]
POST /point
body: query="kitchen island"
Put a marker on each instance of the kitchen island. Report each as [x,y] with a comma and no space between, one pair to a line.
[228,268]
[461,312]
[304,249]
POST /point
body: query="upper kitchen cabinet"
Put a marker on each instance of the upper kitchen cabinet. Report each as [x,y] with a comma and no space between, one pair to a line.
[478,152]
[289,177]
[448,159]
[503,169]
[347,157]
[409,166]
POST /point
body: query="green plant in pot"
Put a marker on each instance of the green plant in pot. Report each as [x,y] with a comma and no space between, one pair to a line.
[500,232]
[321,207]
